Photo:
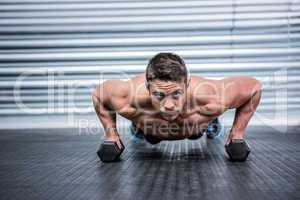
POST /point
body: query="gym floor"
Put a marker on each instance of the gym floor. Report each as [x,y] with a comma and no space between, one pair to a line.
[62,164]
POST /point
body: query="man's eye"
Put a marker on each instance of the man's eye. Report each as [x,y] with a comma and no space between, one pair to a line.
[159,95]
[176,94]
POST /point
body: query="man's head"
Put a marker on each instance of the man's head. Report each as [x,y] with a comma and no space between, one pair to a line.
[167,82]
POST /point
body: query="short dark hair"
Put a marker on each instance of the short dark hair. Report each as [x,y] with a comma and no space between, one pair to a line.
[166,67]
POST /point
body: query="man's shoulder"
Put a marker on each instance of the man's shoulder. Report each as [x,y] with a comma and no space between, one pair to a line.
[200,86]
[207,95]
[116,88]
[122,87]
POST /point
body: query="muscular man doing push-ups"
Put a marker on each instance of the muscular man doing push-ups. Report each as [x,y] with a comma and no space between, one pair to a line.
[164,103]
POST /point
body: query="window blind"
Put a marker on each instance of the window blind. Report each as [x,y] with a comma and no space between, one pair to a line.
[52,53]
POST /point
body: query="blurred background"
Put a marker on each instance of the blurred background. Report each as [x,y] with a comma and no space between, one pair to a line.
[54,52]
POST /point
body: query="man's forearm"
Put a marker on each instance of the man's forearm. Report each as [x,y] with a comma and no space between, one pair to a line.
[243,115]
[107,117]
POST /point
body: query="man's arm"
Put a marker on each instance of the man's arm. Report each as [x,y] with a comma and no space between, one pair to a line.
[110,98]
[242,93]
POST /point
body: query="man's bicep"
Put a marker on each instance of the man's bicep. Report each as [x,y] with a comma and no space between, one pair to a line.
[239,89]
[110,91]
[117,94]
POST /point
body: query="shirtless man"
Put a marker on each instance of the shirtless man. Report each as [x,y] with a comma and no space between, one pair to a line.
[164,103]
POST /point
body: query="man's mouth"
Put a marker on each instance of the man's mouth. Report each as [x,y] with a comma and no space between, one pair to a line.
[169,115]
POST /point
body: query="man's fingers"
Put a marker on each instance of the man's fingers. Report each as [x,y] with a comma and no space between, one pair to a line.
[119,144]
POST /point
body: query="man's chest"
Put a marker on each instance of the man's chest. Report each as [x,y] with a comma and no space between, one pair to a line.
[182,127]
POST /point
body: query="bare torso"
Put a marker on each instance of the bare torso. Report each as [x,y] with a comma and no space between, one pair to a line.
[206,99]
[202,106]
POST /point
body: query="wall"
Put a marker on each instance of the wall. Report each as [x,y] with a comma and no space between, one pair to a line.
[52,53]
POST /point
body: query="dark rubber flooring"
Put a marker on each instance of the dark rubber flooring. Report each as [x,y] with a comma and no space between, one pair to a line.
[61,164]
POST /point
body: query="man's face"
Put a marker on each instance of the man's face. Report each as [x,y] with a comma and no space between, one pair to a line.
[168,97]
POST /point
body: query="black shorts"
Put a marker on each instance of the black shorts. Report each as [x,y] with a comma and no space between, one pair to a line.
[151,139]
[139,134]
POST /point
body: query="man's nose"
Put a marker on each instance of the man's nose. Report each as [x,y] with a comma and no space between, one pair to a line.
[169,105]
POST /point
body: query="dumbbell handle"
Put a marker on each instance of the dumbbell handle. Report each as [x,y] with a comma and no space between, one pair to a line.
[119,143]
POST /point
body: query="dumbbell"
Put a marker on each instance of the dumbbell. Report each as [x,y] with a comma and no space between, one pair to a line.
[109,151]
[237,150]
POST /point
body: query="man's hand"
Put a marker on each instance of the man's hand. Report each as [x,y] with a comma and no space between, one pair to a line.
[233,135]
[110,150]
[112,135]
[115,139]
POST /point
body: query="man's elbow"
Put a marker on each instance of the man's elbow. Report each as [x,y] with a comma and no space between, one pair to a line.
[95,98]
[101,90]
[94,93]
[250,86]
[97,93]
[256,94]
[257,87]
